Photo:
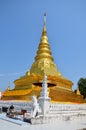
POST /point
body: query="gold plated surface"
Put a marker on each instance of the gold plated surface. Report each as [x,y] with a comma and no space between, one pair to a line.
[31,83]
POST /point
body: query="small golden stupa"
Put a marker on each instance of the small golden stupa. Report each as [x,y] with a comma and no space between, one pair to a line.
[60,88]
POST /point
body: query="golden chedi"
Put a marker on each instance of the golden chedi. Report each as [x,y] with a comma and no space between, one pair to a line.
[60,88]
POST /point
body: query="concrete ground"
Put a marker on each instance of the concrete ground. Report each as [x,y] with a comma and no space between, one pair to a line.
[11,124]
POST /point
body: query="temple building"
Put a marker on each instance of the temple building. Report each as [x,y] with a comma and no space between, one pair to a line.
[59,87]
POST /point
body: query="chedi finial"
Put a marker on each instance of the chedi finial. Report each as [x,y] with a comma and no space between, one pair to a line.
[44,28]
[44,17]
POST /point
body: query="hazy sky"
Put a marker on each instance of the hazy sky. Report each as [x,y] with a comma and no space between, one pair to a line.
[21,24]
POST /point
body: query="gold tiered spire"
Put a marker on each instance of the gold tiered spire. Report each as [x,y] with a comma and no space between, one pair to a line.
[44,47]
[44,61]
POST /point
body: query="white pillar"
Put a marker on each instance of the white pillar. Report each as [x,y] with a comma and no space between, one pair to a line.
[44,99]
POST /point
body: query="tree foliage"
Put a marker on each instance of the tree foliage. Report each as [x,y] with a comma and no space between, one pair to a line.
[75,90]
[82,86]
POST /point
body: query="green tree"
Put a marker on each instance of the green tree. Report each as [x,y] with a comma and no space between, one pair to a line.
[75,90]
[82,87]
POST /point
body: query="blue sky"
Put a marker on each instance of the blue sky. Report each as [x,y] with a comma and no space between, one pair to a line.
[21,23]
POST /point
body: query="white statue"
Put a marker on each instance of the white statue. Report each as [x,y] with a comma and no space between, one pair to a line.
[35,107]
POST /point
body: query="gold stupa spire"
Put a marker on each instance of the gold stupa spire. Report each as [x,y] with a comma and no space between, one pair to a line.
[77,91]
[43,63]
[44,28]
[8,87]
[44,47]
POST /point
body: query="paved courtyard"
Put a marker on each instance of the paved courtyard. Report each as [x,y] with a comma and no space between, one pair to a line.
[6,124]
